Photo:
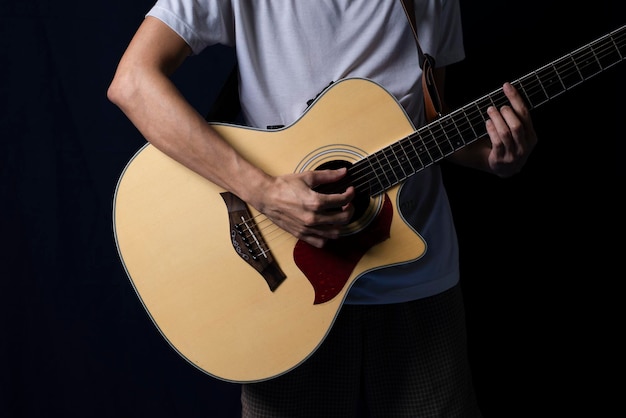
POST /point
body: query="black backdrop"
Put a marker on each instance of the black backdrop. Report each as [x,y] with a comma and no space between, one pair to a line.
[539,250]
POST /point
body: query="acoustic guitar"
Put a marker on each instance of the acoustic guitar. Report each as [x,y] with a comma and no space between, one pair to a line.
[241,299]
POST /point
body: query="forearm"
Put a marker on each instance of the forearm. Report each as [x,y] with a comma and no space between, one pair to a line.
[163,116]
[143,90]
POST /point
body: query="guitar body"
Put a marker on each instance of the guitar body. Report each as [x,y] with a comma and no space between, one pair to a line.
[174,238]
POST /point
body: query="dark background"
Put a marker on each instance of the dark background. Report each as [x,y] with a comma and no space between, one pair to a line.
[540,251]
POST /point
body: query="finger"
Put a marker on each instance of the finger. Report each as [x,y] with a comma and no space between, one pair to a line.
[314,240]
[338,200]
[332,217]
[527,130]
[334,198]
[319,177]
[497,127]
[514,127]
[517,102]
[318,236]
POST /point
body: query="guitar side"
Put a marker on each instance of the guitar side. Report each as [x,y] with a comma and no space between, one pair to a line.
[173,236]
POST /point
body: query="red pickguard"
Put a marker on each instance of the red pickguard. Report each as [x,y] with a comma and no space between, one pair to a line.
[329,268]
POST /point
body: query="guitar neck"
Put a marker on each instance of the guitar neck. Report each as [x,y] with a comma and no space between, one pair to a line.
[444,136]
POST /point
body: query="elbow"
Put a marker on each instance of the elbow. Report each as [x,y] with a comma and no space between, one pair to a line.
[115,91]
[123,87]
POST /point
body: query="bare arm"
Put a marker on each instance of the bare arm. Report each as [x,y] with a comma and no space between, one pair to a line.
[143,90]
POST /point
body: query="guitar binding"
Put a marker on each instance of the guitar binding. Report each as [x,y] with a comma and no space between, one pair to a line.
[248,242]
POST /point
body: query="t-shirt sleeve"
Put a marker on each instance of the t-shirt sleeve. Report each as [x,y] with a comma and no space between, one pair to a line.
[199,23]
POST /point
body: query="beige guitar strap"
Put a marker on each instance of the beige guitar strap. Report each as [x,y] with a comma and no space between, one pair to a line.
[432,100]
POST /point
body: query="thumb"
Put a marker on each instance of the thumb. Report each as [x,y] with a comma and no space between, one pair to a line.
[319,178]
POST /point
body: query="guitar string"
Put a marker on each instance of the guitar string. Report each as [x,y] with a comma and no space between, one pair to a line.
[573,64]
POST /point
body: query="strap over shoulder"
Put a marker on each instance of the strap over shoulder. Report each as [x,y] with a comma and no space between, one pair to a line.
[427,64]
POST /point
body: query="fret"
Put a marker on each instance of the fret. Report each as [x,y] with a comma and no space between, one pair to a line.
[570,74]
[610,53]
[417,157]
[552,83]
[539,95]
[377,186]
[430,144]
[497,99]
[620,45]
[532,90]
[462,133]
[482,104]
[433,144]
[587,63]
[450,131]
[405,157]
[479,113]
[422,150]
[395,165]
[388,174]
[458,143]
[476,115]
[381,173]
[595,56]
[414,158]
[477,121]
[527,86]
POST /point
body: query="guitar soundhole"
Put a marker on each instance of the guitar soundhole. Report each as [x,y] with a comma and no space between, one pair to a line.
[361,201]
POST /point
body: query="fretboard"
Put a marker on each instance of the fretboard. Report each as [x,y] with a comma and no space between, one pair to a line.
[447,134]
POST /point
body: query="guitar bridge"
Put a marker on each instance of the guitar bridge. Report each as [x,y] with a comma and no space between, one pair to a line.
[248,242]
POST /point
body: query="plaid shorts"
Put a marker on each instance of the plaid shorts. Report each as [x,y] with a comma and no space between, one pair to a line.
[398,360]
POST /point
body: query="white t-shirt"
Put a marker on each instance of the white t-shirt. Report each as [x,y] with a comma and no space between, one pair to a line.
[288,51]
